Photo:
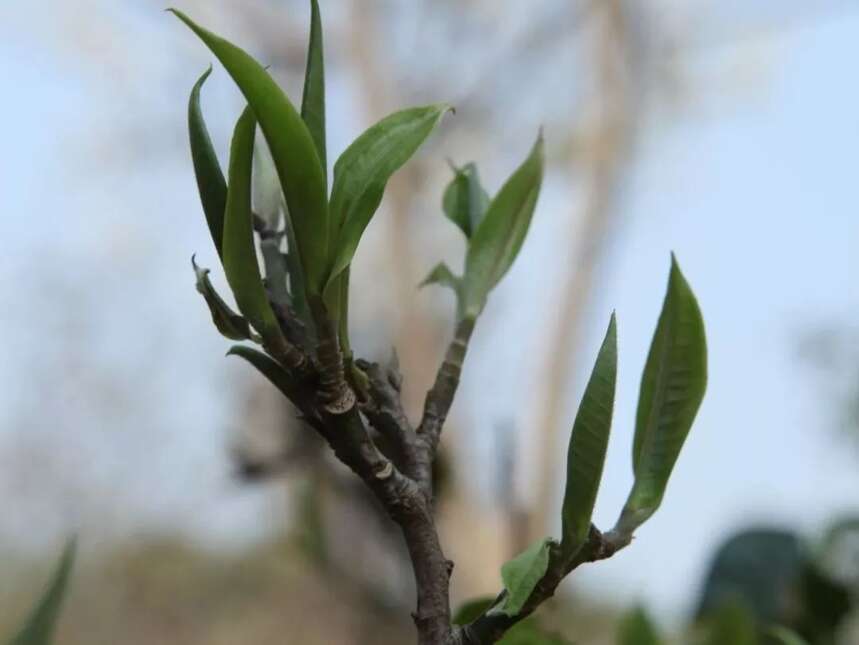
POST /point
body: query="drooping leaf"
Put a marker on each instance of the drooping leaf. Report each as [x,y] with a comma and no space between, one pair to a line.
[210,179]
[228,322]
[313,98]
[588,443]
[521,575]
[636,628]
[465,201]
[785,636]
[38,629]
[672,387]
[363,170]
[240,260]
[269,368]
[497,240]
[292,147]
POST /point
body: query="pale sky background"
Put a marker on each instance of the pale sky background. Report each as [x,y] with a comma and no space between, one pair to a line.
[754,188]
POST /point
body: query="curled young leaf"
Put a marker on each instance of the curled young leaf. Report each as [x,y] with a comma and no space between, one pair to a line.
[496,242]
[672,387]
[39,627]
[240,260]
[269,368]
[210,179]
[588,443]
[465,201]
[228,322]
[521,575]
[363,170]
[292,148]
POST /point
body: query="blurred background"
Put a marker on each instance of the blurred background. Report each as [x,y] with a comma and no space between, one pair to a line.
[726,132]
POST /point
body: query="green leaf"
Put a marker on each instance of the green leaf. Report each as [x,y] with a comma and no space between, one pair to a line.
[292,147]
[465,201]
[636,628]
[785,636]
[313,98]
[210,179]
[442,275]
[228,322]
[497,240]
[733,623]
[240,260]
[588,443]
[269,367]
[525,632]
[672,386]
[39,627]
[521,575]
[363,170]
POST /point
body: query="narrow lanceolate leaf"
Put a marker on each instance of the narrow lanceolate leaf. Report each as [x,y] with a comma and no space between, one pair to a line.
[292,147]
[465,201]
[363,170]
[497,240]
[313,99]
[521,575]
[269,368]
[588,443]
[210,179]
[636,628]
[38,629]
[227,321]
[672,386]
[240,260]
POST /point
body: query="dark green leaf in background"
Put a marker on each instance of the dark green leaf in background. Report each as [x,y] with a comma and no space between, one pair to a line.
[465,201]
[497,240]
[292,148]
[210,179]
[636,628]
[588,444]
[39,627]
[672,387]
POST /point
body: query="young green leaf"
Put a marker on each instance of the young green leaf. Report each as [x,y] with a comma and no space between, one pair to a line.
[240,260]
[465,201]
[38,629]
[292,147]
[521,575]
[672,386]
[313,98]
[210,179]
[269,368]
[441,274]
[588,443]
[636,628]
[363,170]
[497,240]
[228,322]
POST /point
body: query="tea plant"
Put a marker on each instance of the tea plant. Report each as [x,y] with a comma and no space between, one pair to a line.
[297,314]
